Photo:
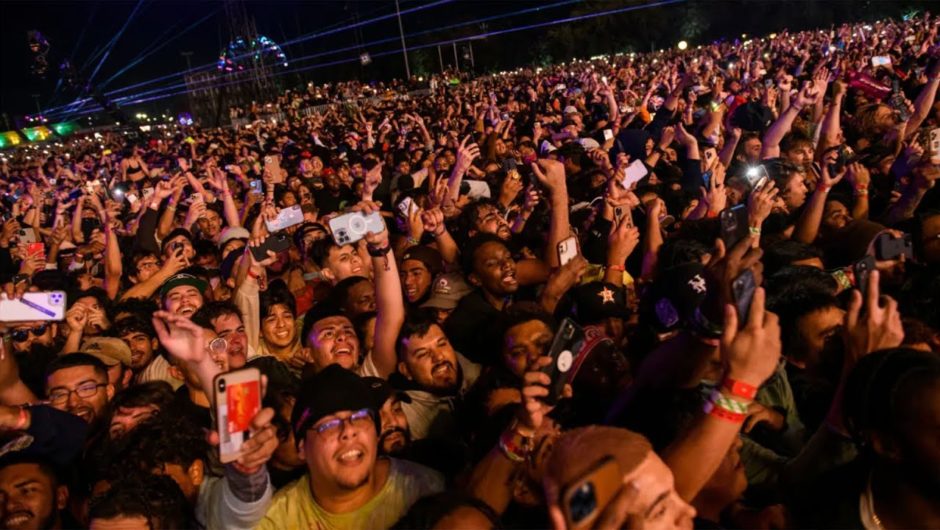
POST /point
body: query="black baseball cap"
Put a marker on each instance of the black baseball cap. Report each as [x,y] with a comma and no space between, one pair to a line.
[381,391]
[329,391]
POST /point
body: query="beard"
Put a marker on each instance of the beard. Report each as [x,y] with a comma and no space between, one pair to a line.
[406,436]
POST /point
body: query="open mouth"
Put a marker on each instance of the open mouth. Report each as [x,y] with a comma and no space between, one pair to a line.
[442,369]
[282,334]
[509,279]
[187,310]
[350,456]
[17,519]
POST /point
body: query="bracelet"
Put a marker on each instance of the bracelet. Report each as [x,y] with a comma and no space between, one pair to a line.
[723,414]
[755,230]
[251,274]
[171,207]
[861,192]
[729,404]
[822,188]
[413,242]
[378,252]
[618,268]
[739,388]
[23,420]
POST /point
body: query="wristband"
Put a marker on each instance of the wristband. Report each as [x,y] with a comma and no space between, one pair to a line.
[729,404]
[413,242]
[739,388]
[755,230]
[618,268]
[861,192]
[823,188]
[712,410]
[251,274]
[171,207]
[378,252]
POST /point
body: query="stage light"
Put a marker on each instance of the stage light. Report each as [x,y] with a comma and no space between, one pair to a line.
[683,44]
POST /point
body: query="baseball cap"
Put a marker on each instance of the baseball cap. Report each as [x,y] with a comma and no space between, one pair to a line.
[329,391]
[109,350]
[233,232]
[447,290]
[183,279]
[593,302]
[430,257]
[381,391]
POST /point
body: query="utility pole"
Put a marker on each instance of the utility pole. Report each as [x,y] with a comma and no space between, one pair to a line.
[404,49]
[440,58]
[456,60]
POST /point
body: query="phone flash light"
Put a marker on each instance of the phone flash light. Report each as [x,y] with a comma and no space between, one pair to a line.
[752,172]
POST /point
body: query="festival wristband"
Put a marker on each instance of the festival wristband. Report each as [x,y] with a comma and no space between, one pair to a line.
[739,388]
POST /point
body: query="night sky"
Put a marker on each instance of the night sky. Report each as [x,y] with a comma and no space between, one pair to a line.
[77,30]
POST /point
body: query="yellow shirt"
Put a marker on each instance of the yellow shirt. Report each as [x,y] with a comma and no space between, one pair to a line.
[294,507]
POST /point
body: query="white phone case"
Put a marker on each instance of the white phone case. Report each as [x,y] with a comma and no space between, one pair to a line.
[44,306]
[286,218]
[351,227]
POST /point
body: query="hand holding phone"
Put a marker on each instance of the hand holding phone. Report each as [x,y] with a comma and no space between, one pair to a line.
[634,173]
[567,250]
[237,401]
[351,227]
[565,347]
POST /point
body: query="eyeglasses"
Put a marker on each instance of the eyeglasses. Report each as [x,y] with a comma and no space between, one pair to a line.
[85,390]
[218,346]
[360,418]
[22,335]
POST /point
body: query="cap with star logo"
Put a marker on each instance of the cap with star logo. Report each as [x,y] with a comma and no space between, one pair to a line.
[593,302]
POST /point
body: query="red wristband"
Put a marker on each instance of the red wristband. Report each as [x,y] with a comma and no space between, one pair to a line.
[251,274]
[726,415]
[618,268]
[740,388]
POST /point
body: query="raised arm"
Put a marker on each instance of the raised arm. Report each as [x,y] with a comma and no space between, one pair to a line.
[925,100]
[551,175]
[389,302]
[770,147]
[807,227]
[466,154]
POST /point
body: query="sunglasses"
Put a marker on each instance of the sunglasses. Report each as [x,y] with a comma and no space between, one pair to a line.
[22,335]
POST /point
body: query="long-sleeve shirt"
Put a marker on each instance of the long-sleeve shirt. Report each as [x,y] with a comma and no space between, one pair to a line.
[234,501]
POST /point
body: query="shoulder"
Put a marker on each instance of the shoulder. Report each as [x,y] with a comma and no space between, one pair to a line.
[415,477]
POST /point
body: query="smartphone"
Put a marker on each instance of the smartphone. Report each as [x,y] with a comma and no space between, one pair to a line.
[935,146]
[862,270]
[584,499]
[36,249]
[351,227]
[406,207]
[608,135]
[147,192]
[565,346]
[286,218]
[276,243]
[237,401]
[74,194]
[733,225]
[622,211]
[634,173]
[706,178]
[567,250]
[255,186]
[42,305]
[898,103]
[881,60]
[888,247]
[743,290]
[131,198]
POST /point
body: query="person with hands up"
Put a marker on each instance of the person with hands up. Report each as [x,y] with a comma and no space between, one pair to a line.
[807,227]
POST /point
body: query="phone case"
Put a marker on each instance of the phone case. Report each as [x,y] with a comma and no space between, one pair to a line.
[733,225]
[565,346]
[634,173]
[935,146]
[743,290]
[237,400]
[862,269]
[275,243]
[44,306]
[584,500]
[286,218]
[567,250]
[351,227]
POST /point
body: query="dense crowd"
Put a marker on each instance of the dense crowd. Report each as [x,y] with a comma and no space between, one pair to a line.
[685,288]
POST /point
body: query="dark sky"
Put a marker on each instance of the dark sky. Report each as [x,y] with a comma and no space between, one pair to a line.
[78,29]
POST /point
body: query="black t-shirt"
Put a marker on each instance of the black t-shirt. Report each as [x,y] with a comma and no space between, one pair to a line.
[184,405]
[471,328]
[328,202]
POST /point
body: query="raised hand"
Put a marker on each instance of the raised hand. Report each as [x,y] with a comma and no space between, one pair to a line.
[466,153]
[180,337]
[622,241]
[550,173]
[760,203]
[753,352]
[433,220]
[879,327]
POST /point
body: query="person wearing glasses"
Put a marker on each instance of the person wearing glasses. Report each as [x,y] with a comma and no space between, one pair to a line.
[78,383]
[347,484]
[25,335]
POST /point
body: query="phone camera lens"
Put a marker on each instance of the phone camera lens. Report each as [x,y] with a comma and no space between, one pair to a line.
[221,385]
[582,503]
